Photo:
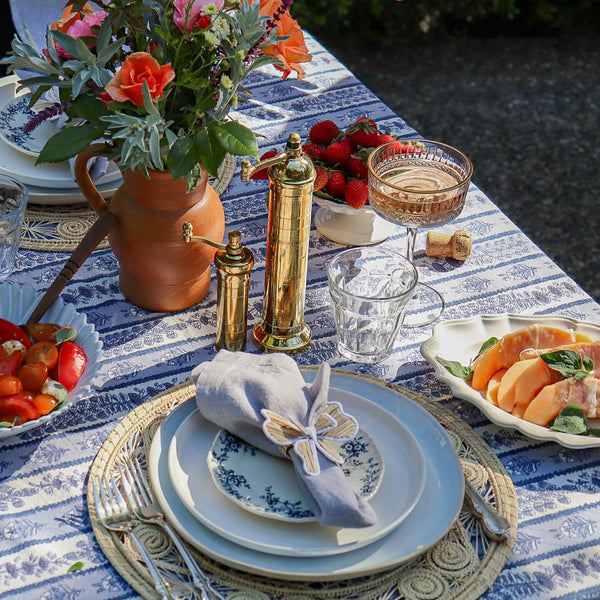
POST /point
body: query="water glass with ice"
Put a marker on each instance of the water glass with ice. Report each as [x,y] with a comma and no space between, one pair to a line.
[13,200]
[369,288]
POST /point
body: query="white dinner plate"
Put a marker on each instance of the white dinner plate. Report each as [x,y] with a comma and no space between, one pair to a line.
[268,486]
[55,197]
[431,518]
[46,175]
[401,488]
[460,340]
[16,304]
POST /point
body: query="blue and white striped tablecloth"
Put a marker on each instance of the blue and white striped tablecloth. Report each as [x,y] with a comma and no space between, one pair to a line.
[44,527]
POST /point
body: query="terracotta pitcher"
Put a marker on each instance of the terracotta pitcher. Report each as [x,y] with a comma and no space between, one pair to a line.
[158,270]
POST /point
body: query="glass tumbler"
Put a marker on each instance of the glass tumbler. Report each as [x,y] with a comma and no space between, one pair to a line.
[370,288]
[13,201]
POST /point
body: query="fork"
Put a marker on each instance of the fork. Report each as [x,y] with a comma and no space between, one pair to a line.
[114,515]
[143,504]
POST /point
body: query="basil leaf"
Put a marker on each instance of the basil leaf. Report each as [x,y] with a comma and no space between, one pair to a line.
[455,368]
[567,362]
[571,419]
[593,432]
[487,344]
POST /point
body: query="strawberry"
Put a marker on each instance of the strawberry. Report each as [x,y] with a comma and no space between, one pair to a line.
[384,138]
[315,151]
[323,132]
[356,166]
[356,193]
[321,178]
[264,173]
[363,132]
[336,184]
[338,154]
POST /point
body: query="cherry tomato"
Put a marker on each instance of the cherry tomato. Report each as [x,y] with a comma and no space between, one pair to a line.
[41,331]
[29,395]
[71,364]
[45,403]
[9,384]
[42,352]
[10,365]
[10,331]
[33,377]
[18,406]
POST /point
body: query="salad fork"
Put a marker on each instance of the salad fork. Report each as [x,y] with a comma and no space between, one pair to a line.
[115,515]
[143,504]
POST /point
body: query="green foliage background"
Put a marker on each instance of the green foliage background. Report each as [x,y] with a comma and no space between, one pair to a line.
[390,21]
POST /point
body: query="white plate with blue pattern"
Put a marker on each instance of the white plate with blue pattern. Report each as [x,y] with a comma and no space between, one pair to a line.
[268,486]
[400,489]
[14,115]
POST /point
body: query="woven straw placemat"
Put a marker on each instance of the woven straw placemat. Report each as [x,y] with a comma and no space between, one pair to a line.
[462,566]
[61,228]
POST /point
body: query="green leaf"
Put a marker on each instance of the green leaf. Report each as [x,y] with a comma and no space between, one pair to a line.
[76,567]
[487,345]
[209,150]
[456,369]
[593,432]
[235,138]
[182,157]
[567,362]
[571,419]
[90,109]
[16,421]
[65,334]
[69,142]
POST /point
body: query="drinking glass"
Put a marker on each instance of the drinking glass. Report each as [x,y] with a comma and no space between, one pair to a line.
[13,200]
[369,288]
[418,183]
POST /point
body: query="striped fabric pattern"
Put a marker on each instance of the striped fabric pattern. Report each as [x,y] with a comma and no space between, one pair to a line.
[44,527]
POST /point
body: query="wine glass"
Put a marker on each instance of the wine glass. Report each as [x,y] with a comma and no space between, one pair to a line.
[418,183]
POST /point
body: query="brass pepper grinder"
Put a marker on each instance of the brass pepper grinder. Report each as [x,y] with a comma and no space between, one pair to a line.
[291,182]
[233,263]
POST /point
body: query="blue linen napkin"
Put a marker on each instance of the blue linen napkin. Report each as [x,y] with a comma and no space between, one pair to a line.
[231,391]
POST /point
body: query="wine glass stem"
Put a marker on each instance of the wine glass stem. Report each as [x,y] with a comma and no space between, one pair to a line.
[411,237]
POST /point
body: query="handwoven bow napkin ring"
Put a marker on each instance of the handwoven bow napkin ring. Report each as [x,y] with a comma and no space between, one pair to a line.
[328,423]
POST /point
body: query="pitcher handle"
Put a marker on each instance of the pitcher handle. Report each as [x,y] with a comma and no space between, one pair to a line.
[84,181]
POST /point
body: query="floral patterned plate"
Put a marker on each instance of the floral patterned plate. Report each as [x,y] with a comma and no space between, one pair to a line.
[400,489]
[267,485]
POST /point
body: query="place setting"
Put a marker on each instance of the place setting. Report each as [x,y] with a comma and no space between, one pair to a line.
[249,515]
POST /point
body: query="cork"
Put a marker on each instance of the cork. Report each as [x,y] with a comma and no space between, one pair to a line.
[443,245]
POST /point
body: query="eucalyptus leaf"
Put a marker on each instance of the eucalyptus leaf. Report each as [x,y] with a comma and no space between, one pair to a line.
[456,369]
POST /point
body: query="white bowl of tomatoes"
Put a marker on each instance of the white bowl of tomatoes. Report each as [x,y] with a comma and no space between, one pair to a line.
[46,367]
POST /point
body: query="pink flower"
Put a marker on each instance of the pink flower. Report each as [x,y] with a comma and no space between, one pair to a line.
[187,12]
[84,27]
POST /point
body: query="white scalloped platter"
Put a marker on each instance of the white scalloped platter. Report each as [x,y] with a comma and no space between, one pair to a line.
[16,304]
[460,340]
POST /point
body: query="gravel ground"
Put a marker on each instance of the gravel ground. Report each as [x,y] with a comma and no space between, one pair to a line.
[525,110]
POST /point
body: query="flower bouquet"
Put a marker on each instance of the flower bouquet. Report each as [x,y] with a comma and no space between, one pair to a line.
[155,80]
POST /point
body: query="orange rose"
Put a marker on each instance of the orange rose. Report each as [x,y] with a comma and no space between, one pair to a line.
[292,51]
[138,68]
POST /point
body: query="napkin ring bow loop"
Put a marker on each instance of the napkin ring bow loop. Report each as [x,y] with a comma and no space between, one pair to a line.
[329,423]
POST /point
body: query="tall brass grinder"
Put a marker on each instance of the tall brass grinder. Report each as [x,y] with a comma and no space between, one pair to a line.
[291,182]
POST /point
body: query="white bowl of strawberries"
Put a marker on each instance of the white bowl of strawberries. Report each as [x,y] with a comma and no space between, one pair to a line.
[341,189]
